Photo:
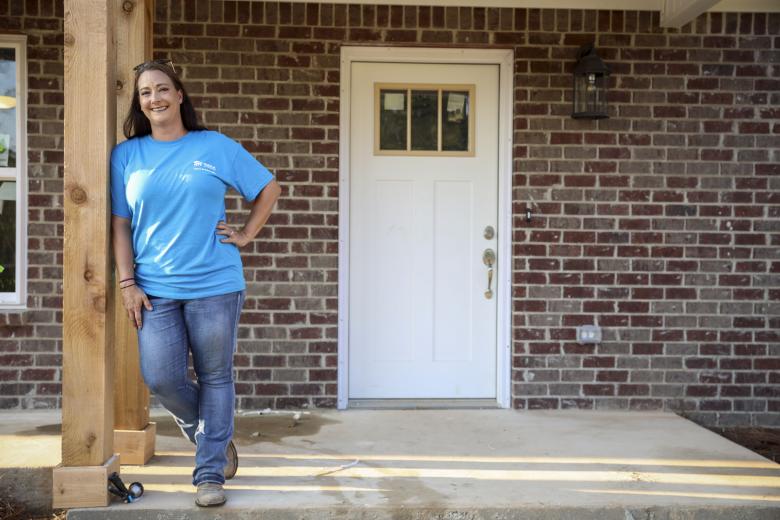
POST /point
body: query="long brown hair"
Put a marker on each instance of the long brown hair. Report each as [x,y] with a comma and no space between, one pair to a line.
[137,124]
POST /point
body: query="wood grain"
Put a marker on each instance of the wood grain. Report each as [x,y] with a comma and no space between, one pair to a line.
[84,486]
[135,447]
[134,46]
[90,122]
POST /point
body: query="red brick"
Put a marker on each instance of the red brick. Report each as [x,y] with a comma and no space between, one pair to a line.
[565,138]
[754,128]
[633,390]
[598,390]
[669,111]
[662,162]
[701,391]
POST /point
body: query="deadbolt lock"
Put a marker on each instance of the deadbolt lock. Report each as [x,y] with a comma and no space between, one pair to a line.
[489,257]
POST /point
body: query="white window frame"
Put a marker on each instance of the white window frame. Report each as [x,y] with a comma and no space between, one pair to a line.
[18,174]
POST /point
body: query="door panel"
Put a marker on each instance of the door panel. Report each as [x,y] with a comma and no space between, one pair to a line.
[452,301]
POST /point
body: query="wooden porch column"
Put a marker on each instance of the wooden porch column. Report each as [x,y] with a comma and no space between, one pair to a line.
[87,362]
[134,435]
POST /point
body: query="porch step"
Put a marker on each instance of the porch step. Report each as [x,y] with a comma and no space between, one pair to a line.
[530,513]
[465,465]
[438,464]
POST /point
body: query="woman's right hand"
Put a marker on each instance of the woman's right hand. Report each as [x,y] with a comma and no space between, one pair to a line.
[133,298]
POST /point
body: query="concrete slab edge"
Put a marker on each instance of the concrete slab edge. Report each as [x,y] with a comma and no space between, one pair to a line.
[735,512]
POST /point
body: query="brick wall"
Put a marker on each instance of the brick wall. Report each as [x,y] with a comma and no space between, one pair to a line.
[661,224]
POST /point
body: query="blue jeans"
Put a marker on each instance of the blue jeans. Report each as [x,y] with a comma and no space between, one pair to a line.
[207,327]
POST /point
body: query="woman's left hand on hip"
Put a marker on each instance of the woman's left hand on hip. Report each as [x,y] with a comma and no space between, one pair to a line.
[232,236]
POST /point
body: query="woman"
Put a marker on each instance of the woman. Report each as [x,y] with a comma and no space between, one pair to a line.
[180,272]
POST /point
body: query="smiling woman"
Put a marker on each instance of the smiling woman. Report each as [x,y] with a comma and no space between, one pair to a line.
[154,81]
[178,261]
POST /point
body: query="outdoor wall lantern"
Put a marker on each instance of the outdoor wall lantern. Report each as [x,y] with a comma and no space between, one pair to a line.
[590,85]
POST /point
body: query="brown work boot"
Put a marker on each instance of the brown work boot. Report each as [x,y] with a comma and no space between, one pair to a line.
[210,494]
[232,461]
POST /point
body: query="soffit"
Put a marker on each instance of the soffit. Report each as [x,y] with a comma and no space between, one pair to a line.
[758,6]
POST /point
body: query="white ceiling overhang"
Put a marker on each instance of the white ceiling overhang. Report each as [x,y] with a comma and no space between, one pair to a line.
[674,13]
[737,6]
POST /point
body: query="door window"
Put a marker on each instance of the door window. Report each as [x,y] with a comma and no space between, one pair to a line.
[392,120]
[413,119]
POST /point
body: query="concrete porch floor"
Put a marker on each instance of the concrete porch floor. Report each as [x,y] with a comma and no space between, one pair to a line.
[451,464]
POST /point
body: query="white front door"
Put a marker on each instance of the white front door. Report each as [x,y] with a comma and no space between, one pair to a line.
[423,190]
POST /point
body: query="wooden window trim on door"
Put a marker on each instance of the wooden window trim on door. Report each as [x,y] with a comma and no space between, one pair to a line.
[440,88]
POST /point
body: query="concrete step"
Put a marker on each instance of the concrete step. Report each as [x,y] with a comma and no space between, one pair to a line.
[449,465]
[528,513]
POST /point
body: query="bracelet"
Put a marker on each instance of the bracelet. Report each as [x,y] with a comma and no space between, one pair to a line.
[127,279]
[126,286]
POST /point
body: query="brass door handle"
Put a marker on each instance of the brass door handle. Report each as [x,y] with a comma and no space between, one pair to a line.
[489,258]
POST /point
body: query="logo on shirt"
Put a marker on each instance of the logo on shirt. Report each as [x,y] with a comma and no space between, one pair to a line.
[204,166]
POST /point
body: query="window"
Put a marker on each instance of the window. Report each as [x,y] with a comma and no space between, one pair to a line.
[424,119]
[13,171]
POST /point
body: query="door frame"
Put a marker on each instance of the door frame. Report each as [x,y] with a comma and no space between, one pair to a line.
[504,58]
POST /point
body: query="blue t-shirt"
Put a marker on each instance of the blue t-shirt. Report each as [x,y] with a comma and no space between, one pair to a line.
[173,193]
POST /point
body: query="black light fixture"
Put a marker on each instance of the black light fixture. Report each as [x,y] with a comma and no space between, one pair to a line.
[590,85]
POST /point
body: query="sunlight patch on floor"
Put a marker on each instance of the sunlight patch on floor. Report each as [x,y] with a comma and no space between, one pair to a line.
[189,488]
[483,474]
[748,464]
[689,494]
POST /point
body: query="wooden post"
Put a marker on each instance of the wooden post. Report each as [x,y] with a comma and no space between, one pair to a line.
[134,435]
[87,364]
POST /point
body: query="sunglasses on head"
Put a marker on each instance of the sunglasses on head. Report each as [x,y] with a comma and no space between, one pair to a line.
[145,65]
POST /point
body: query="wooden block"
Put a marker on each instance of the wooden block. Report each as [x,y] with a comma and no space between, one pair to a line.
[135,446]
[82,486]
